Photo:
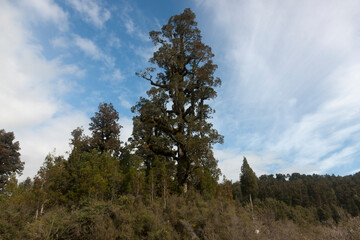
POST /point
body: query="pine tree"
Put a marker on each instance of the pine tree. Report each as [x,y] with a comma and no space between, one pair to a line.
[173,121]
[248,180]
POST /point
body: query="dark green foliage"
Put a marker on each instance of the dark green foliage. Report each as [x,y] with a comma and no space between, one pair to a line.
[236,191]
[9,157]
[90,175]
[248,180]
[133,173]
[326,193]
[106,129]
[323,214]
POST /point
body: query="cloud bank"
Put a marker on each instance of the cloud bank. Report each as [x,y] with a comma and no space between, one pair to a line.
[32,86]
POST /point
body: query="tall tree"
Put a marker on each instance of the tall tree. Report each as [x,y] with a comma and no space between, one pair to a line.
[248,180]
[9,157]
[173,122]
[106,129]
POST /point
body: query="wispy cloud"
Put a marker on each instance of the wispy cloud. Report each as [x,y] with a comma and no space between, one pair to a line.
[117,75]
[114,77]
[60,42]
[131,27]
[292,80]
[91,11]
[124,102]
[93,51]
[114,41]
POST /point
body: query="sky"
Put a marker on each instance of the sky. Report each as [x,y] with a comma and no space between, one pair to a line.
[290,71]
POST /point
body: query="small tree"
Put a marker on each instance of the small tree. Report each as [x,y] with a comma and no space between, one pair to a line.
[249,183]
[9,157]
[248,180]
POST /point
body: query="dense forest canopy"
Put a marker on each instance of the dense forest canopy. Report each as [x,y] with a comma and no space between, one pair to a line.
[163,183]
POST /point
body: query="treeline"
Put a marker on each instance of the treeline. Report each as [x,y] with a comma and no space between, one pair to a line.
[324,192]
[326,197]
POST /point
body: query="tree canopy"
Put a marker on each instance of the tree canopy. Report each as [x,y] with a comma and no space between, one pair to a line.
[9,157]
[106,129]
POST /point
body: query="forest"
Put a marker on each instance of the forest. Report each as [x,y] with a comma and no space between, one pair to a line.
[164,182]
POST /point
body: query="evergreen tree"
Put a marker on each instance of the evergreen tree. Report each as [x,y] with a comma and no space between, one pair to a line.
[105,129]
[9,157]
[248,180]
[173,121]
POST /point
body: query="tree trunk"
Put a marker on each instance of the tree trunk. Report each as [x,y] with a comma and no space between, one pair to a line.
[164,192]
[252,208]
[182,169]
[152,187]
[42,209]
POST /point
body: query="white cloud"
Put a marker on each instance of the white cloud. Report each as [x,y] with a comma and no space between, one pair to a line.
[60,42]
[131,28]
[321,138]
[90,49]
[283,47]
[91,11]
[355,171]
[114,41]
[32,86]
[30,83]
[36,143]
[129,25]
[45,10]
[292,80]
[116,76]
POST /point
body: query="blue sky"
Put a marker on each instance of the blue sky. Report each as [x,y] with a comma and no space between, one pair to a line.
[289,101]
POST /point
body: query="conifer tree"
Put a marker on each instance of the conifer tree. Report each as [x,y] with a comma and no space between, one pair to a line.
[173,121]
[248,180]
[106,129]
